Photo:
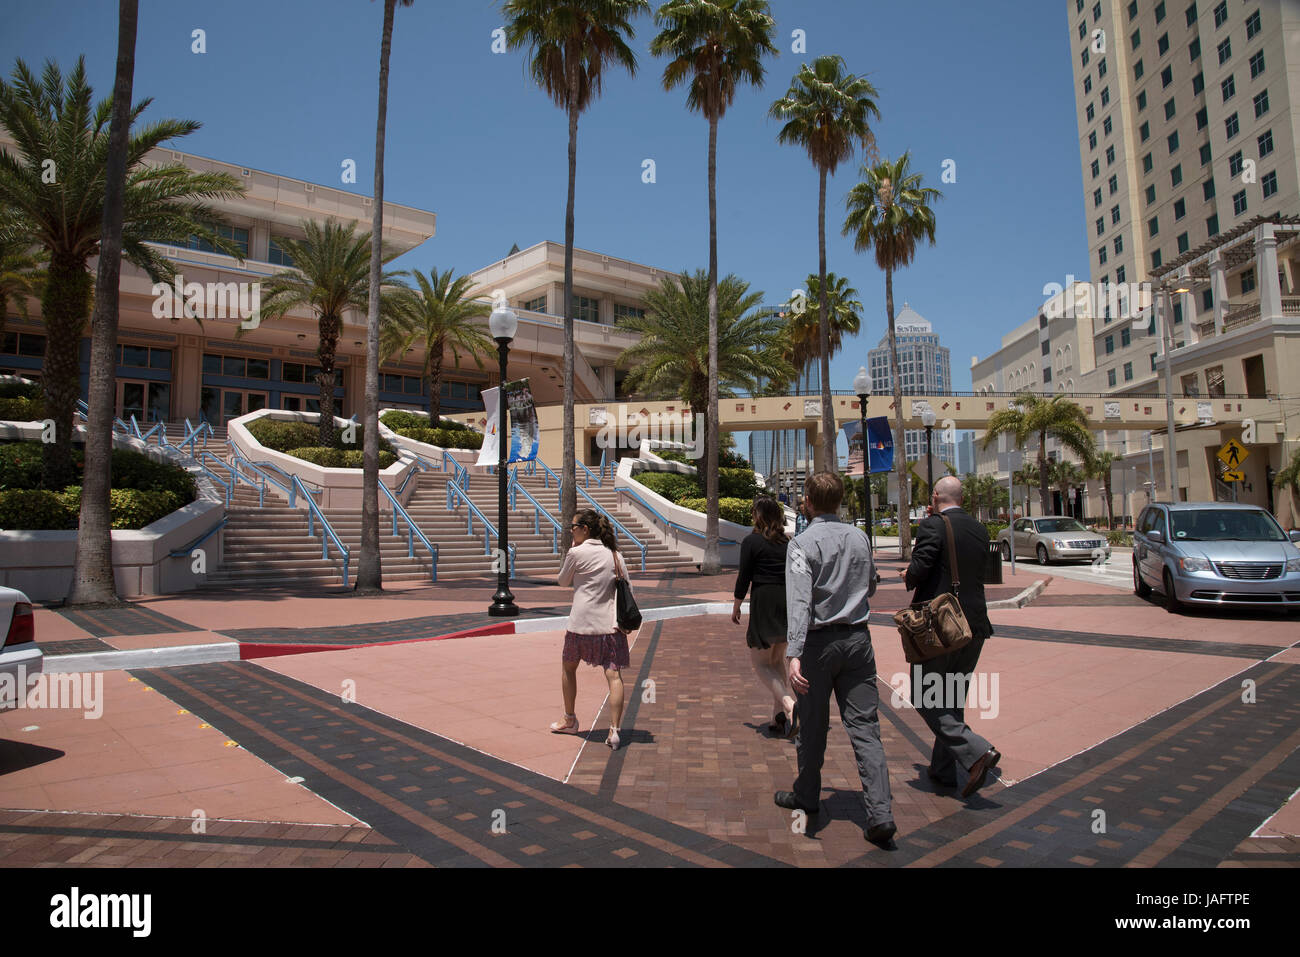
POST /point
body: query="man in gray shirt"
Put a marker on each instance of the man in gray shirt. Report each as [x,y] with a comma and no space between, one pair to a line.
[829,576]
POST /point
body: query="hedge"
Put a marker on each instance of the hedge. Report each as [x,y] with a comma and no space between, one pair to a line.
[286,436]
[671,485]
[339,458]
[398,421]
[732,483]
[10,389]
[35,508]
[20,468]
[43,510]
[18,409]
[727,459]
[444,437]
[738,510]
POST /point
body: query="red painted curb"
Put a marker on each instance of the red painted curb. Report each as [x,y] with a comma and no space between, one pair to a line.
[254,650]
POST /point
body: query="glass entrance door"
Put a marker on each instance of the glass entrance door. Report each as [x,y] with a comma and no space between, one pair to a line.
[147,401]
[222,405]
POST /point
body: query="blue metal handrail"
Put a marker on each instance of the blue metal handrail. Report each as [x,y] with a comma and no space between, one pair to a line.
[539,511]
[218,479]
[235,478]
[590,476]
[184,550]
[420,466]
[144,436]
[327,530]
[667,521]
[242,460]
[460,474]
[455,495]
[192,433]
[618,526]
[412,531]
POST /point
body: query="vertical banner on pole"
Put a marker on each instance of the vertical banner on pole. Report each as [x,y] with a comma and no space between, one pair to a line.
[880,445]
[487,453]
[525,433]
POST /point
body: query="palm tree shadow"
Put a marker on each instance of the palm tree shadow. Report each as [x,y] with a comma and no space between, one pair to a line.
[20,755]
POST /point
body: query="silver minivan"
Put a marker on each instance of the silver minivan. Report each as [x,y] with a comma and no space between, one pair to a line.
[1215,554]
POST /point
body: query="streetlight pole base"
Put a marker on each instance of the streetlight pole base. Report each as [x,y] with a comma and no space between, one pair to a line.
[503,605]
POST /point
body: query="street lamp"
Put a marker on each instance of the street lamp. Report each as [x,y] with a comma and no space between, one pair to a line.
[1171,476]
[502,325]
[862,386]
[927,419]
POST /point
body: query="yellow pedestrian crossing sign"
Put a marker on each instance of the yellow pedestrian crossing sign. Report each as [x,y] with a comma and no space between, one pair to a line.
[1231,475]
[1232,455]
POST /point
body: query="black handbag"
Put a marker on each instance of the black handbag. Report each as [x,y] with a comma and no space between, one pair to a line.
[626,612]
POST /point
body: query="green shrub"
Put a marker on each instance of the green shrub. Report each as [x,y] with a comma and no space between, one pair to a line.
[136,508]
[37,509]
[19,409]
[339,458]
[993,529]
[671,485]
[20,465]
[400,421]
[738,510]
[132,470]
[287,436]
[458,439]
[20,390]
[737,483]
[1120,538]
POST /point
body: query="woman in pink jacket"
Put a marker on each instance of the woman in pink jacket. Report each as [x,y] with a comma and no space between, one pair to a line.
[593,635]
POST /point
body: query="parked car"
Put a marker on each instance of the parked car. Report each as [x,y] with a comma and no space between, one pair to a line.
[19,648]
[1215,553]
[1053,538]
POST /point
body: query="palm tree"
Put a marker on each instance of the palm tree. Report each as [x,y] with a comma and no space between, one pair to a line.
[21,269]
[673,355]
[369,570]
[437,317]
[1065,475]
[93,579]
[713,46]
[804,329]
[1099,467]
[890,211]
[330,274]
[1027,477]
[570,44]
[1287,482]
[1057,417]
[826,112]
[56,128]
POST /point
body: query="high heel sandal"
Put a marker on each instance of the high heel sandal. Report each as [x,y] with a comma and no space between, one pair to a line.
[566,727]
[611,739]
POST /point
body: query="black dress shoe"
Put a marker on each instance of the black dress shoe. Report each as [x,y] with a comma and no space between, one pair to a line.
[787,800]
[778,724]
[792,731]
[979,772]
[882,835]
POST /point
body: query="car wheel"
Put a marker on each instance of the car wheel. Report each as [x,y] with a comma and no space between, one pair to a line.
[1042,555]
[1140,588]
[1006,551]
[1172,604]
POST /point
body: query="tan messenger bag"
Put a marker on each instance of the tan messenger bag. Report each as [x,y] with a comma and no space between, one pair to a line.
[938,626]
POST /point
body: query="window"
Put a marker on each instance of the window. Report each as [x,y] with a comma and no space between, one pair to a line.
[1132,9]
[236,235]
[627,312]
[1202,118]
[1114,215]
[1152,359]
[276,254]
[1110,377]
[1214,386]
[1198,83]
[1169,108]
[1225,51]
[1239,203]
[1166,76]
[1269,184]
[1205,154]
[236,366]
[1084,56]
[1231,126]
[1092,140]
[1119,270]
[1128,372]
[1101,68]
[1212,227]
[1136,39]
[1083,29]
[1096,197]
[1261,103]
[1092,113]
[1221,14]
[1096,169]
[1101,225]
[1151,195]
[1110,344]
[1191,14]
[1146,164]
[1119,248]
[1113,184]
[1138,71]
[1265,141]
[1207,190]
[1176,174]
[1160,11]
[402,384]
[1234,163]
[1207,300]
[23,344]
[1191,385]
[1252,25]
[1178,310]
[1257,64]
[1110,155]
[142,357]
[1248,281]
[1105,126]
[1228,88]
[1142,101]
[1156,259]
[536,305]
[1105,96]
[588,310]
[1194,49]
[1180,209]
[1124,338]
[1087,84]
[1046,346]
[1172,142]
[1183,243]
[1162,45]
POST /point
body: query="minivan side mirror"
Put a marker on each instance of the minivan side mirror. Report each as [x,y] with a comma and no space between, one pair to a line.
[1155,535]
[1294,535]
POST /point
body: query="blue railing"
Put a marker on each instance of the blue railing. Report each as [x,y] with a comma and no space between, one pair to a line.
[205,456]
[184,550]
[412,531]
[420,466]
[192,433]
[327,534]
[618,526]
[539,511]
[160,426]
[456,495]
[659,517]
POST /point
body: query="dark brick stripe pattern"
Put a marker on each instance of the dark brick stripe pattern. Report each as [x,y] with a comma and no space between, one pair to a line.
[123,620]
[430,796]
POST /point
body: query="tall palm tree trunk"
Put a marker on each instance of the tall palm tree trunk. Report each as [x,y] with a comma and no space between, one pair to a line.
[569,475]
[1044,492]
[900,445]
[92,579]
[712,557]
[329,328]
[829,464]
[64,305]
[435,383]
[370,576]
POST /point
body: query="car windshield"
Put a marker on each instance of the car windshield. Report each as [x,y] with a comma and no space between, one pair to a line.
[1060,525]
[1225,525]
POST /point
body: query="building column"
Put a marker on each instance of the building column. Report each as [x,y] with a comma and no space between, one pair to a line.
[1218,283]
[1189,307]
[1270,291]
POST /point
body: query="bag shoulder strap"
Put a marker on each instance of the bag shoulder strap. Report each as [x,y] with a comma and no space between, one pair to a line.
[618,561]
[952,554]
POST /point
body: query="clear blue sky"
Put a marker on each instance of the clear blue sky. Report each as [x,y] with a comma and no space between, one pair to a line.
[289,86]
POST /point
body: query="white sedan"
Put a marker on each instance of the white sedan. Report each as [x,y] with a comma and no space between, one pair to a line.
[20,656]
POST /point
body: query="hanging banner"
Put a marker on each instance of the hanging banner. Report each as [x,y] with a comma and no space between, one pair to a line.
[488,452]
[880,444]
[525,433]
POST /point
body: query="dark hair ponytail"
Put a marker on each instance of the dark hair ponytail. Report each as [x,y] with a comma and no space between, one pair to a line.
[598,527]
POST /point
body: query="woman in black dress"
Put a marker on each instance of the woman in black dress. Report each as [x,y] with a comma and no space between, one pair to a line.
[762,564]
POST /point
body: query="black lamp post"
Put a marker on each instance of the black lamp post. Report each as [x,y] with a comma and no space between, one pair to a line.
[862,386]
[502,324]
[927,419]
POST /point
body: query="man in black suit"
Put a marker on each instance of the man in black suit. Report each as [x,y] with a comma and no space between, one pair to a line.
[930,574]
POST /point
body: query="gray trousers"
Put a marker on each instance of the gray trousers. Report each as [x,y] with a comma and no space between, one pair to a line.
[954,741]
[841,659]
